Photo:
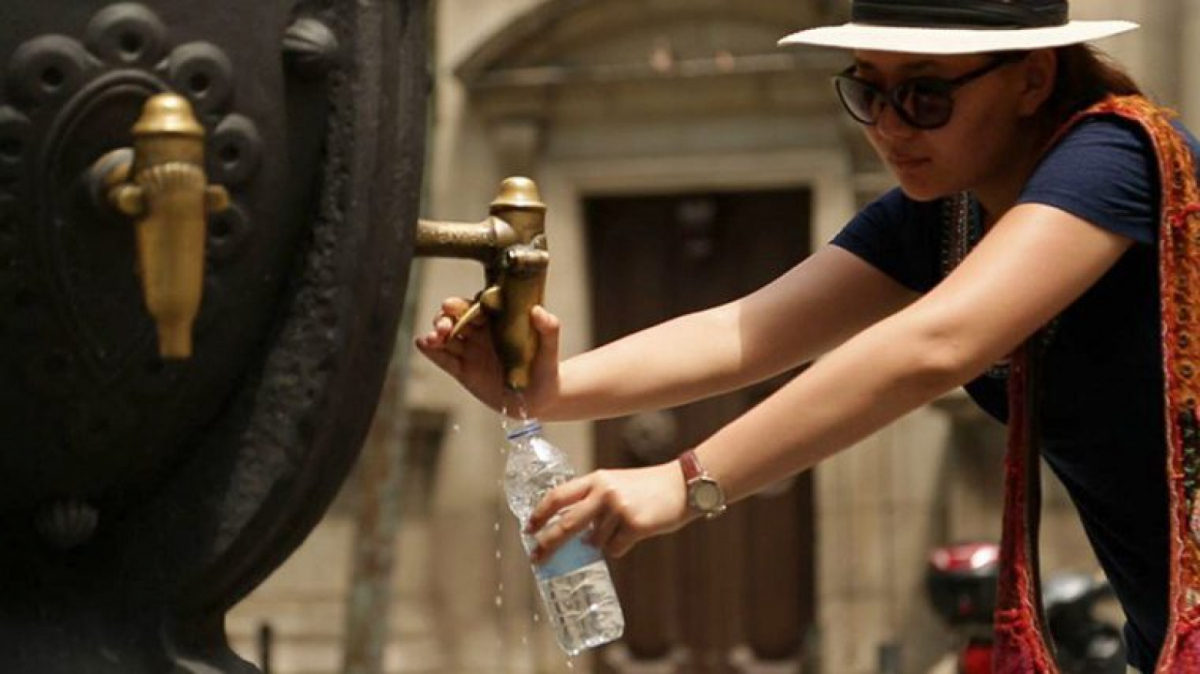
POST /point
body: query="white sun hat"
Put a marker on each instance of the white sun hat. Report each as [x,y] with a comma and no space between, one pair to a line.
[958,27]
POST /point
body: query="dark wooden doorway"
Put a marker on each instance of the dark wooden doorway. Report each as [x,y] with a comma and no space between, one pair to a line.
[736,594]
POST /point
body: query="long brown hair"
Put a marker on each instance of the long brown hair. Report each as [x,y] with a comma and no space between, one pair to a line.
[1085,75]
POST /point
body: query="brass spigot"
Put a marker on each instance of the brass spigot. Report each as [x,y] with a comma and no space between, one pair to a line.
[162,185]
[511,244]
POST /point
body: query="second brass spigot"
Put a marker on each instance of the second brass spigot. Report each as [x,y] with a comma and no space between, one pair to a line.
[161,184]
[511,244]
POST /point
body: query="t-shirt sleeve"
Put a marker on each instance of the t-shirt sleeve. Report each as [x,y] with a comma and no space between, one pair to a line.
[896,236]
[1104,172]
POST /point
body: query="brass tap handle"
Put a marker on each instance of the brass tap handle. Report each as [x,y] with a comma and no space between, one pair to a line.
[511,244]
[161,184]
[487,301]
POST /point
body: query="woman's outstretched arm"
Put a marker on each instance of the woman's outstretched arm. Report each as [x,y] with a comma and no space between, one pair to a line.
[1031,266]
[816,305]
[813,307]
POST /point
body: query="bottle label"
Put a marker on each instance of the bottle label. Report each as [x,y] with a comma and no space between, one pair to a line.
[572,556]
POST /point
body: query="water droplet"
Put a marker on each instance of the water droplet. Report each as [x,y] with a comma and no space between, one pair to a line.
[497,527]
[570,663]
[499,601]
[515,413]
[455,428]
[525,641]
[498,554]
[537,617]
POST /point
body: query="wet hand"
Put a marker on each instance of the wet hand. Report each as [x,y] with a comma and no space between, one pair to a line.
[621,507]
[470,356]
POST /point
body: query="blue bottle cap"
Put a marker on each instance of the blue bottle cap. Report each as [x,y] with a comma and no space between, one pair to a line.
[531,427]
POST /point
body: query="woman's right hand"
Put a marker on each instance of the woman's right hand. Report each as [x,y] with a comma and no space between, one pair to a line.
[471,358]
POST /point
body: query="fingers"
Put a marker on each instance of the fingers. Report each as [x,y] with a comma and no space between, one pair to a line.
[436,338]
[564,513]
[556,500]
[548,328]
[455,306]
[443,325]
[450,362]
[614,531]
[611,531]
[452,310]
[622,542]
[591,502]
[570,523]
[604,529]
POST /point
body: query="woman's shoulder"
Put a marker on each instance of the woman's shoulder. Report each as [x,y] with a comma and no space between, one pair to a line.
[1114,136]
[1115,128]
[1104,171]
[1102,134]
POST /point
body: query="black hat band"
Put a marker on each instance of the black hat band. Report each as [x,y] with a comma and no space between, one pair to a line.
[985,14]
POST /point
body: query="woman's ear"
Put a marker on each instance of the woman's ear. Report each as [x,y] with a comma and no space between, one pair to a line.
[1039,73]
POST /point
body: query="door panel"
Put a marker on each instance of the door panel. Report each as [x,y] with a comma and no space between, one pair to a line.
[735,593]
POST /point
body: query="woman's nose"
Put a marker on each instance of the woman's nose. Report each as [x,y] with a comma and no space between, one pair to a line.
[889,124]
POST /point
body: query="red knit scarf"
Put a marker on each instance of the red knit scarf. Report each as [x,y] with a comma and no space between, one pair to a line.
[1021,644]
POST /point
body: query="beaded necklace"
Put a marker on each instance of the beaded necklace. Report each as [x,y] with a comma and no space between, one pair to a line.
[962,228]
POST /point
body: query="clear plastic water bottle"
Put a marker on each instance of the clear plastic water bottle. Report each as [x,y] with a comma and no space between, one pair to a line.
[575,583]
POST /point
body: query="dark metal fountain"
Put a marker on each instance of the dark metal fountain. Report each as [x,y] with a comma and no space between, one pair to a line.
[207,214]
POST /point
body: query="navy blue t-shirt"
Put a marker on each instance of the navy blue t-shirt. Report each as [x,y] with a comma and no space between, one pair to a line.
[1102,413]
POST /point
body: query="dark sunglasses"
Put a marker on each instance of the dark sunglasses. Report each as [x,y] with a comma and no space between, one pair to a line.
[922,102]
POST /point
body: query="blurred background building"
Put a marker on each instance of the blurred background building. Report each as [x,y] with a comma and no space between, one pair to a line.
[685,160]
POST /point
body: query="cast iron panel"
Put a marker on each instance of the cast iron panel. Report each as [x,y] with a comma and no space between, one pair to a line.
[140,498]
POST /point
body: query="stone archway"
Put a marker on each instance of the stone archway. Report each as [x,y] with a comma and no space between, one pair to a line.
[579,62]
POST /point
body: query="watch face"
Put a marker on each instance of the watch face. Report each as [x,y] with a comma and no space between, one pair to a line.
[706,496]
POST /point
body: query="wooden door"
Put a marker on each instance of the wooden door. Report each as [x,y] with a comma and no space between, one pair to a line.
[735,594]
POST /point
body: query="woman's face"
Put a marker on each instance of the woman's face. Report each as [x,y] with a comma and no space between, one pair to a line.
[977,147]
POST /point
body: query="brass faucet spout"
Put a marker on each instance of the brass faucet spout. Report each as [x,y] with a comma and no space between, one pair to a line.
[161,184]
[473,241]
[511,244]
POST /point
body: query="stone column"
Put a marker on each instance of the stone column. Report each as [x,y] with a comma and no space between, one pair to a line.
[1189,64]
[1159,70]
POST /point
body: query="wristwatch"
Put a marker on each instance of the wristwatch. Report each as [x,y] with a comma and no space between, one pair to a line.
[704,495]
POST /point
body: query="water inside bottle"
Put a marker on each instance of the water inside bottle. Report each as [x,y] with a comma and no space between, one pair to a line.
[574,583]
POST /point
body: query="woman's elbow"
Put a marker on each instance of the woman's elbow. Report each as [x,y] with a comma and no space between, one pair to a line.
[940,361]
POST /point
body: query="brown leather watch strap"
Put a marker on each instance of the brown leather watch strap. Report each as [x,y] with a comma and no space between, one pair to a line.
[691,466]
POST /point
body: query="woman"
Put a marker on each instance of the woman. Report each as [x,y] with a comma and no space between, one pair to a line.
[967,103]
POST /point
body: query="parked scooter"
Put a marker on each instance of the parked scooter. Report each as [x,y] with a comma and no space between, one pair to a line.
[1083,643]
[961,581]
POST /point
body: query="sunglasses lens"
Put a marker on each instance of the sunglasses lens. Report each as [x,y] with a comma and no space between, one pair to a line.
[924,103]
[925,106]
[860,99]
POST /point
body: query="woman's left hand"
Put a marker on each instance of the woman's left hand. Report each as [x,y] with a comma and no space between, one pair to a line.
[623,507]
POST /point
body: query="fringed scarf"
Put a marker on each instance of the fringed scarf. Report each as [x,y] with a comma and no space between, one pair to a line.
[1021,643]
